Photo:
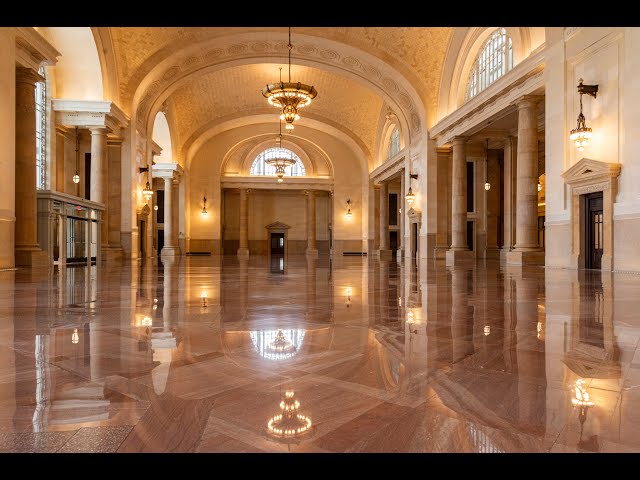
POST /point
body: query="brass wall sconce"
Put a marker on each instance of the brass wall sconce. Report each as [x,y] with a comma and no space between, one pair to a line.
[410,196]
[581,134]
[487,185]
[349,215]
[204,206]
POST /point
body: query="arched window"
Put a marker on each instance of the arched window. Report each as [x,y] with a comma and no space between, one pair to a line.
[394,143]
[259,167]
[41,133]
[494,60]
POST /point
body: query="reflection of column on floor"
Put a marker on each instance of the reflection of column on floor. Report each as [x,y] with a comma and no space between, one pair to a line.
[461,326]
[243,293]
[311,288]
[531,370]
[383,292]
[163,342]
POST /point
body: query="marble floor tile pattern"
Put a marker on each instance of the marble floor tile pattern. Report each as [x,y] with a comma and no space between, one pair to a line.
[197,354]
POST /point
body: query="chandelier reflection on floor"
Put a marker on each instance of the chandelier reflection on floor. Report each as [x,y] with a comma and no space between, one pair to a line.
[289,423]
[277,344]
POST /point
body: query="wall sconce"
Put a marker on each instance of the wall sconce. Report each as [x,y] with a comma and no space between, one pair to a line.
[204,206]
[487,185]
[75,338]
[487,330]
[147,321]
[147,191]
[155,207]
[581,134]
[348,291]
[76,176]
[539,186]
[410,197]
[410,317]
[348,214]
[203,297]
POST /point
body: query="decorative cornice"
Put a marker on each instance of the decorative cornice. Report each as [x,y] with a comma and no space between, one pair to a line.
[32,49]
[388,168]
[166,170]
[89,113]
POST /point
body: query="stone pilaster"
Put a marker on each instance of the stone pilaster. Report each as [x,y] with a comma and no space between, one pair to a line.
[312,248]
[170,248]
[384,221]
[243,248]
[27,249]
[100,180]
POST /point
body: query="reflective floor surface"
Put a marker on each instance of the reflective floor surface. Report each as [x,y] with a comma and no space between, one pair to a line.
[212,354]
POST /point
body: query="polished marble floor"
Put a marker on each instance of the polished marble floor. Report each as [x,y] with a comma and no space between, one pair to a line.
[212,354]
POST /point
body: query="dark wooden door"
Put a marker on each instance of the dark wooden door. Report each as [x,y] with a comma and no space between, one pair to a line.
[594,230]
[277,244]
[160,241]
[414,243]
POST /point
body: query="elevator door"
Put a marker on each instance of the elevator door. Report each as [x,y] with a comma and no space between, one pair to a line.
[594,230]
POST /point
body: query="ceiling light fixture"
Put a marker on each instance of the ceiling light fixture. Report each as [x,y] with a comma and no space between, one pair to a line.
[487,185]
[289,96]
[281,160]
[581,134]
[76,176]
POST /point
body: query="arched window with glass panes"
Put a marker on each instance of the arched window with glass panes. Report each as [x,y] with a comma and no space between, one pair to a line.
[41,133]
[494,60]
[394,143]
[259,166]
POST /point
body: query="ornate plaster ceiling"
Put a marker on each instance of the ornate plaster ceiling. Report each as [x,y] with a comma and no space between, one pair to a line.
[415,52]
[232,91]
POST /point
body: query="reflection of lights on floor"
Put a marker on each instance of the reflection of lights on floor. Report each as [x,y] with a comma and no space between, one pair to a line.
[581,395]
[539,328]
[146,321]
[289,423]
[277,344]
[75,338]
[487,330]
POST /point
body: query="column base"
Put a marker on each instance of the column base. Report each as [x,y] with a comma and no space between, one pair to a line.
[31,257]
[170,252]
[383,253]
[311,252]
[243,252]
[458,257]
[440,252]
[527,257]
[504,251]
[492,253]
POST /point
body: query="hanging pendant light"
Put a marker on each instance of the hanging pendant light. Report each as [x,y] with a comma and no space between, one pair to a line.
[582,134]
[289,96]
[76,176]
[487,185]
[410,196]
[280,161]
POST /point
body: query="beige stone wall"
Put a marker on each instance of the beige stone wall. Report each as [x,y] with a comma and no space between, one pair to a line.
[603,56]
[220,155]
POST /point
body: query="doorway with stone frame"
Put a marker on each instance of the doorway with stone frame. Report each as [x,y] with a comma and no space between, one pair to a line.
[585,178]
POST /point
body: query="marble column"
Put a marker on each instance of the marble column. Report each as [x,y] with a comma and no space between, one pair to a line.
[401,216]
[508,237]
[444,197]
[99,180]
[175,213]
[459,251]
[243,249]
[170,249]
[493,205]
[7,148]
[376,215]
[526,250]
[384,221]
[27,249]
[312,248]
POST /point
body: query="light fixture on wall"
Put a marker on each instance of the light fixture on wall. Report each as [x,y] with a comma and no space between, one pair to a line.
[76,176]
[155,207]
[75,337]
[147,191]
[581,134]
[410,196]
[349,292]
[487,185]
[349,215]
[289,96]
[280,161]
[487,330]
[539,186]
[204,206]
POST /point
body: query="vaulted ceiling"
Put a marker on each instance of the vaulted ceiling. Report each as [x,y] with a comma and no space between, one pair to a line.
[412,58]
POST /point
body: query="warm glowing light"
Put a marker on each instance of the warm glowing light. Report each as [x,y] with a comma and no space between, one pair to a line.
[400,210]
[410,197]
[147,192]
[204,207]
[399,301]
[75,338]
[147,321]
[76,178]
[581,395]
[487,186]
[581,137]
[348,215]
[155,207]
[279,344]
[289,423]
[487,330]
[348,291]
[204,296]
[539,328]
[410,317]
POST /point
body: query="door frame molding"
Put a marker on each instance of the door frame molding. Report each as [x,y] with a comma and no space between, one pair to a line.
[590,176]
[278,227]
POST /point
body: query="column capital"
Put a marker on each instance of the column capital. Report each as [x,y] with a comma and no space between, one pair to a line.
[114,141]
[528,100]
[98,130]
[460,140]
[28,75]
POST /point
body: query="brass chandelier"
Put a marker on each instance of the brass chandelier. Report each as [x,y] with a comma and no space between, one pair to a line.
[289,96]
[280,161]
